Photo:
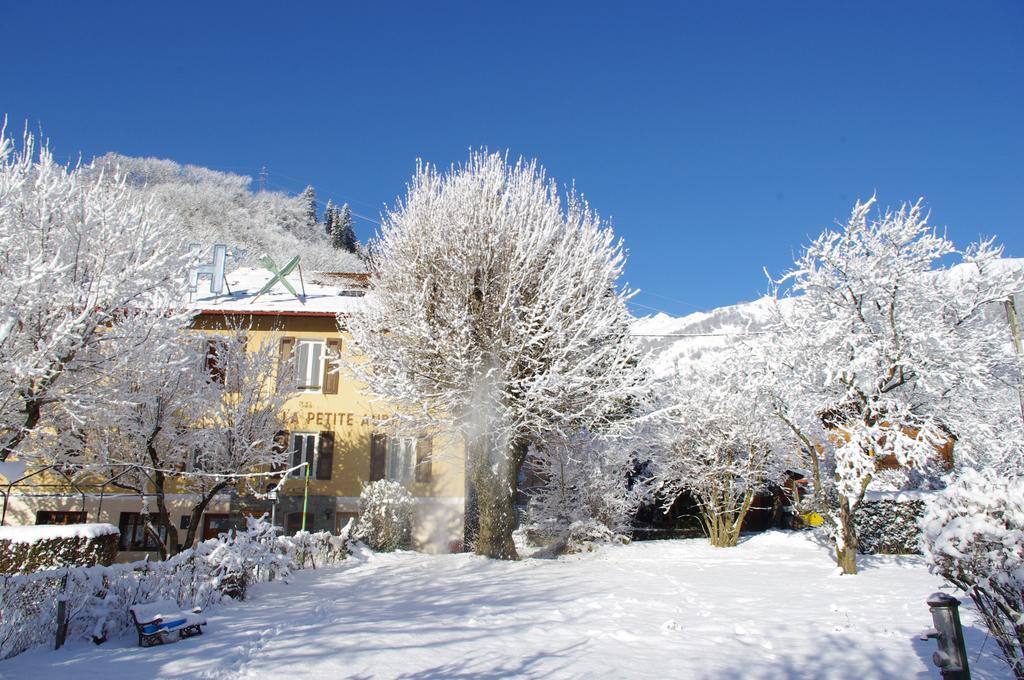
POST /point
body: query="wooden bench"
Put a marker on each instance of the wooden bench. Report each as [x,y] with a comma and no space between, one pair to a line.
[154,621]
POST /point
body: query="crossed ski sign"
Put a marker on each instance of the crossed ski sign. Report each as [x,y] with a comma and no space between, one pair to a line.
[279,275]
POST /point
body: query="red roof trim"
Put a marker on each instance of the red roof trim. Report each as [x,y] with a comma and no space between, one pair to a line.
[263,312]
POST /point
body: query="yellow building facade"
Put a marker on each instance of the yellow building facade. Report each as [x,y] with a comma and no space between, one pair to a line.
[330,422]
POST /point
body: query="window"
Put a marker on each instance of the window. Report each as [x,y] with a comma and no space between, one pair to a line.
[215,524]
[303,451]
[401,459]
[214,362]
[308,364]
[59,517]
[134,535]
[293,523]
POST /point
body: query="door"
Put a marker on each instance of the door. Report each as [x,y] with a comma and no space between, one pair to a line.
[215,524]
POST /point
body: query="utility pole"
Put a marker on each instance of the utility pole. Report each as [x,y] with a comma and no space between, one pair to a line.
[1011,316]
[263,179]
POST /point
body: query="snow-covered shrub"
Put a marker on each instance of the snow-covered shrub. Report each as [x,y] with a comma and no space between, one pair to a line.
[889,524]
[974,538]
[98,597]
[320,548]
[582,493]
[385,516]
[36,548]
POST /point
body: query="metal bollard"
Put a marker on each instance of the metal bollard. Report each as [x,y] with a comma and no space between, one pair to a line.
[951,657]
[62,612]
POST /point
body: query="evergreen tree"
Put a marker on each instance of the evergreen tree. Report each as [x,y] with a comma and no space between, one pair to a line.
[344,234]
[308,198]
[330,218]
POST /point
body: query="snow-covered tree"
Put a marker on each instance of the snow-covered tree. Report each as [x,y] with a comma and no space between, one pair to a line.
[343,235]
[881,351]
[79,259]
[330,219]
[139,435]
[715,438]
[238,428]
[308,199]
[496,308]
[194,413]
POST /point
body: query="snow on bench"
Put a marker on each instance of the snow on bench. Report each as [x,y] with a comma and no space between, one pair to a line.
[155,620]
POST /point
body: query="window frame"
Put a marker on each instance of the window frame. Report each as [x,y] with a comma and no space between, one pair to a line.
[306,372]
[133,528]
[79,517]
[406,448]
[295,457]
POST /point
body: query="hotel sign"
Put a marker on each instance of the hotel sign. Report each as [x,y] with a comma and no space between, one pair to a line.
[334,420]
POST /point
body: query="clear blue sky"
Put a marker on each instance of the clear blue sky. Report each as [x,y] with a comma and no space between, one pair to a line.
[717,136]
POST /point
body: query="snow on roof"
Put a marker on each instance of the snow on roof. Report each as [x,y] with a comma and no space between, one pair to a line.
[41,532]
[326,293]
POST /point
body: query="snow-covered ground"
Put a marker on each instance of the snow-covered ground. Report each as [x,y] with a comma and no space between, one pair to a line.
[771,608]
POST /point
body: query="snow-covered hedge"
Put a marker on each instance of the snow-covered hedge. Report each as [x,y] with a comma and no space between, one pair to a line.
[385,516]
[889,524]
[974,538]
[98,597]
[35,548]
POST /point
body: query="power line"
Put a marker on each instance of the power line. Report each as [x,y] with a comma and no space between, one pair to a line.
[699,335]
[670,299]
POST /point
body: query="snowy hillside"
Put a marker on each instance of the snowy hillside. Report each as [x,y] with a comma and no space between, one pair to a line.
[219,207]
[701,333]
[695,335]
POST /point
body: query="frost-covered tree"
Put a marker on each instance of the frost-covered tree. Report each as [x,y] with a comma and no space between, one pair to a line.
[881,351]
[715,438]
[308,200]
[496,308]
[238,427]
[139,437]
[79,258]
[343,235]
[194,414]
[330,220]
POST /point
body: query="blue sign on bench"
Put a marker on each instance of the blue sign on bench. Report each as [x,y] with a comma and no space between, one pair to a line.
[154,621]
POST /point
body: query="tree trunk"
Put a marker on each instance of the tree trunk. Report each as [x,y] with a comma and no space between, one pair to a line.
[193,536]
[846,546]
[33,412]
[168,546]
[494,475]
[33,408]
